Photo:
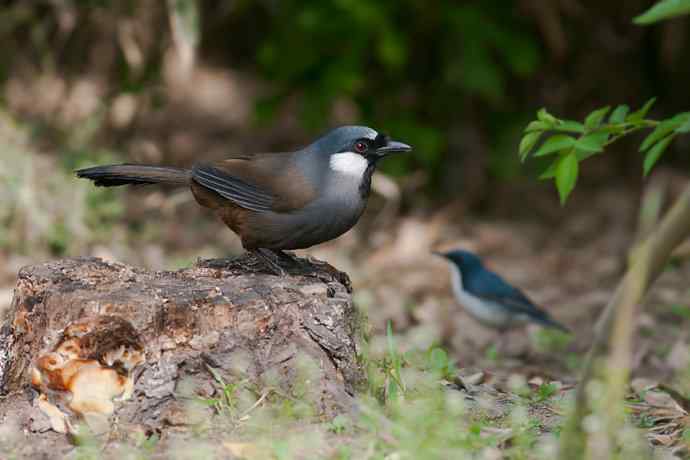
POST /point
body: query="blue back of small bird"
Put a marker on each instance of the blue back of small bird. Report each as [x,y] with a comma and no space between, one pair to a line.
[479,281]
[490,286]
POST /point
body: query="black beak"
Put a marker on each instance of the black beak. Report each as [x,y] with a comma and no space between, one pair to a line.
[392,147]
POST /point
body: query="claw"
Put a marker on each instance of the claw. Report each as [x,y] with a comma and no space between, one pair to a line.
[270,260]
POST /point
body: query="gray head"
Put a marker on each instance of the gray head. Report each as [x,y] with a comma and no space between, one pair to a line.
[360,140]
[466,261]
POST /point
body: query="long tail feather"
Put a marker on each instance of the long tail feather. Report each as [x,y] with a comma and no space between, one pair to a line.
[115,175]
[546,320]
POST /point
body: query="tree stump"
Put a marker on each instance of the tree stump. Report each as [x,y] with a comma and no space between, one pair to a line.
[100,341]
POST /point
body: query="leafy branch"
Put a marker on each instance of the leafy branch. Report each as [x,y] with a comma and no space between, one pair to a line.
[572,142]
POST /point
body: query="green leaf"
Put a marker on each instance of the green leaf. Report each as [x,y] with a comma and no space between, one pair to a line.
[593,142]
[546,117]
[684,128]
[528,142]
[594,119]
[662,130]
[439,359]
[571,126]
[655,153]
[537,126]
[566,175]
[664,9]
[391,341]
[554,144]
[618,115]
[682,121]
[639,114]
[392,390]
[584,154]
[611,129]
[549,172]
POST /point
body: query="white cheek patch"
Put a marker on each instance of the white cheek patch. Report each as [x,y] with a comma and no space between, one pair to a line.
[349,163]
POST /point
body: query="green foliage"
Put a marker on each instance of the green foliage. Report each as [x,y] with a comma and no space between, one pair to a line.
[682,311]
[363,51]
[545,391]
[441,363]
[664,9]
[393,364]
[42,208]
[655,144]
[566,174]
[227,400]
[596,133]
[491,353]
[547,340]
[340,424]
[571,142]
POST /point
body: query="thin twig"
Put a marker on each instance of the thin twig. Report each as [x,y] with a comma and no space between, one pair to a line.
[256,404]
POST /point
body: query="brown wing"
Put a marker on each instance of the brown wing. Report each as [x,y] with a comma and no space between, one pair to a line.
[261,182]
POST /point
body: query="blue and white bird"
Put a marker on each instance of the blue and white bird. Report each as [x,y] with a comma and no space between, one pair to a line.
[489,298]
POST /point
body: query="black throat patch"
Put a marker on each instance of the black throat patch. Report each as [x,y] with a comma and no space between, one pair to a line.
[365,185]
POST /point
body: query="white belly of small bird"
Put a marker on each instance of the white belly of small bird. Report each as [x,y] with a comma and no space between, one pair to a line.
[486,312]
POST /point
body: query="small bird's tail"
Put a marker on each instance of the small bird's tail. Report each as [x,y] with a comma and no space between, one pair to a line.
[546,320]
[114,175]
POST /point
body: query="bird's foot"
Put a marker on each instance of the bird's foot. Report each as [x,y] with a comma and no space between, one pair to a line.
[288,257]
[270,260]
[300,263]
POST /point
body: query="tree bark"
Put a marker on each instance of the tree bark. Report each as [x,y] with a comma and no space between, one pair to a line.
[78,323]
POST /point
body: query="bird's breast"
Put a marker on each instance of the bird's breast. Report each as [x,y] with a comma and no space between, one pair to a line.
[324,219]
[488,313]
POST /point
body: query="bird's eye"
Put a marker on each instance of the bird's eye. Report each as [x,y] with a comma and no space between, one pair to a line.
[360,147]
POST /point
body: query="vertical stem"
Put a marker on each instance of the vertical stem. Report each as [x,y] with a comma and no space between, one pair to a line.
[648,262]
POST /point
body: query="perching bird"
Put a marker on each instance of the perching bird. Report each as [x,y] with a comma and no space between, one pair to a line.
[489,298]
[277,201]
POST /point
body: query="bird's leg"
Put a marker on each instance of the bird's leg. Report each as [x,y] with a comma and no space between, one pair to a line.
[501,344]
[270,260]
[296,261]
[301,263]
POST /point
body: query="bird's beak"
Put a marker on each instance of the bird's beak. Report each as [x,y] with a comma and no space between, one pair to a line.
[392,147]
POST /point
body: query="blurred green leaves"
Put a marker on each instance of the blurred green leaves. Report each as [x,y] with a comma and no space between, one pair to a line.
[487,48]
[665,9]
[657,141]
[402,65]
[572,142]
[597,133]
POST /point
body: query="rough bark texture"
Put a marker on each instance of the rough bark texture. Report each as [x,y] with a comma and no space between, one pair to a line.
[219,316]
